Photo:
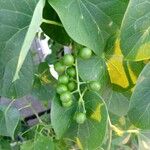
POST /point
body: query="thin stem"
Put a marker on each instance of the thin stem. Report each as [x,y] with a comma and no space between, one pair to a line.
[120,132]
[9,105]
[52,22]
[81,101]
[39,119]
[27,106]
[109,140]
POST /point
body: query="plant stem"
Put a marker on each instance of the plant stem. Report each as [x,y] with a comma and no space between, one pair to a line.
[52,22]
[81,101]
[121,132]
[109,140]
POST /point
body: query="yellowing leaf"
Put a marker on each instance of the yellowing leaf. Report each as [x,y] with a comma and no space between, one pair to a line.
[120,71]
[96,115]
[115,67]
[78,142]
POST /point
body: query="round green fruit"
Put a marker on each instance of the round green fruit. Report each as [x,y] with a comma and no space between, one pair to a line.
[61,88]
[67,104]
[66,97]
[80,118]
[95,86]
[59,67]
[63,79]
[71,86]
[85,53]
[71,71]
[68,60]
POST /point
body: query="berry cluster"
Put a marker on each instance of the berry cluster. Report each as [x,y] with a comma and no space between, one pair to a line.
[67,82]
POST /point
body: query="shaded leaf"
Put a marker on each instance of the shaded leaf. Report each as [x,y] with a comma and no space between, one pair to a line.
[135,37]
[139,112]
[91,69]
[89,22]
[9,119]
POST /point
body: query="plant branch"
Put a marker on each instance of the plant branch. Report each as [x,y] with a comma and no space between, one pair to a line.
[52,22]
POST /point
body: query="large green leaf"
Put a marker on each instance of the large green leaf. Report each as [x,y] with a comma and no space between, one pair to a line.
[9,118]
[139,112]
[17,28]
[135,37]
[90,22]
[20,20]
[90,135]
[91,69]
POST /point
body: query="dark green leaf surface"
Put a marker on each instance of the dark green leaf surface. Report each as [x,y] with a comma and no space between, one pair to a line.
[118,104]
[20,87]
[90,22]
[90,135]
[55,32]
[139,112]
[9,118]
[91,69]
[61,117]
[135,37]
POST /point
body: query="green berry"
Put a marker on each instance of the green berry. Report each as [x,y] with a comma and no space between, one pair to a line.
[80,118]
[68,60]
[66,96]
[71,71]
[61,88]
[95,86]
[67,104]
[85,53]
[71,86]
[63,79]
[59,67]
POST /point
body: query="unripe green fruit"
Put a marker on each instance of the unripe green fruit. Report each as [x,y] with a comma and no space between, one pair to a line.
[85,53]
[71,86]
[66,96]
[68,60]
[67,104]
[71,71]
[59,67]
[95,86]
[63,79]
[80,118]
[61,88]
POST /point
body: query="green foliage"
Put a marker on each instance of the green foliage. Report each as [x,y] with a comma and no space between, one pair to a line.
[101,97]
[9,118]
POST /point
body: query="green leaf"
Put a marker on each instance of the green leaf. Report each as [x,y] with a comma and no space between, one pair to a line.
[55,32]
[20,87]
[43,142]
[144,140]
[4,145]
[20,20]
[135,37]
[61,117]
[118,104]
[9,119]
[40,142]
[91,134]
[91,69]
[139,112]
[44,82]
[90,22]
